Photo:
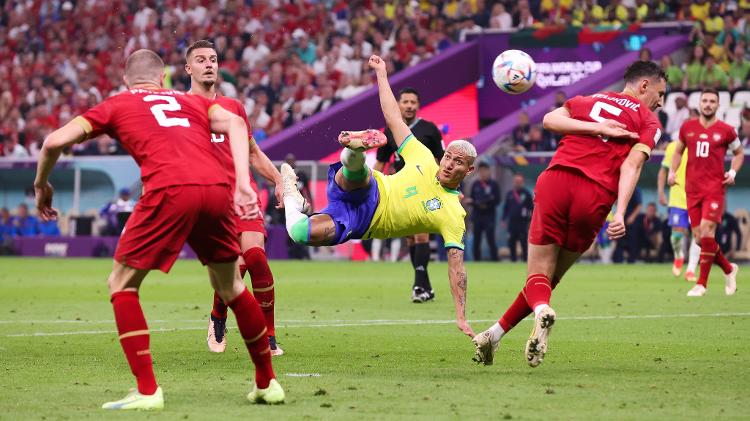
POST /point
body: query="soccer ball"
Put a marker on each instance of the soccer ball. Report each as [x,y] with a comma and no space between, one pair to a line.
[514,71]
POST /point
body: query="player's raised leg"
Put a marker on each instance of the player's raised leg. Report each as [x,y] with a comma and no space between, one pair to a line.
[132,329]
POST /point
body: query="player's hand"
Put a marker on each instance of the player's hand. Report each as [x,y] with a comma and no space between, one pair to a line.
[671,178]
[616,228]
[729,178]
[43,194]
[279,193]
[246,203]
[376,63]
[464,327]
[662,199]
[615,129]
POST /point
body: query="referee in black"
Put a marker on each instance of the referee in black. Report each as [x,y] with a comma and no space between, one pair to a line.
[427,133]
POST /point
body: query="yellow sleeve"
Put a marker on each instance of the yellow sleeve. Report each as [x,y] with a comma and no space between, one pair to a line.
[453,235]
[667,161]
[415,153]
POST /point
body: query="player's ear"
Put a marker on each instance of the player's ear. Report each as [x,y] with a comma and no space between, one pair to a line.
[187,68]
[644,85]
[163,78]
[125,80]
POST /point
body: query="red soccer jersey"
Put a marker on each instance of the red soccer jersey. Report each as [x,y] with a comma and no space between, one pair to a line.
[166,132]
[600,159]
[706,147]
[233,106]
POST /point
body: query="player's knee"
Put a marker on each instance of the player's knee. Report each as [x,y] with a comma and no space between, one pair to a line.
[300,231]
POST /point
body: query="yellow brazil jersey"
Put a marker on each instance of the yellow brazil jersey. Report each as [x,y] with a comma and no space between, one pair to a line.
[677,197]
[412,201]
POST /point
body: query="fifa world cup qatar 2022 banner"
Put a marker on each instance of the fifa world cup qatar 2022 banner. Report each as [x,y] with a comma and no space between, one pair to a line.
[563,57]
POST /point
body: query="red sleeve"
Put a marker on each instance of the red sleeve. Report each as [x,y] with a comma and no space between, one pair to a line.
[731,134]
[97,120]
[681,137]
[573,103]
[650,130]
[241,112]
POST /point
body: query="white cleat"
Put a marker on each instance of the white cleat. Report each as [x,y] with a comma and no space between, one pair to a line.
[697,291]
[363,139]
[136,400]
[289,180]
[730,280]
[273,394]
[536,346]
[485,349]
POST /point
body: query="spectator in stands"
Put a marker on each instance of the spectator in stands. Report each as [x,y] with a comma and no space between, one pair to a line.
[500,18]
[677,117]
[717,51]
[484,198]
[115,213]
[699,10]
[728,233]
[629,243]
[519,203]
[539,140]
[647,229]
[739,69]
[694,69]
[521,132]
[24,224]
[49,228]
[7,229]
[674,73]
[744,134]
[645,54]
[713,76]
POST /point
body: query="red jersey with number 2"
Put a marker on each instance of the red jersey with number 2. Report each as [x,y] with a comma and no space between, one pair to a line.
[598,158]
[707,147]
[166,132]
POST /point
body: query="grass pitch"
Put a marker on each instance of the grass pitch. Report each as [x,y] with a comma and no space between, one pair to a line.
[628,344]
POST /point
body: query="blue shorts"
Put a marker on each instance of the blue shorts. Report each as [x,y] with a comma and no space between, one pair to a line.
[678,218]
[351,211]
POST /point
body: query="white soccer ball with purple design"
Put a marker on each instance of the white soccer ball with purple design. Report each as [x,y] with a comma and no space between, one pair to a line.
[514,71]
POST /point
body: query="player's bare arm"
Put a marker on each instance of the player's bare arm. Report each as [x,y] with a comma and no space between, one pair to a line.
[630,171]
[388,102]
[260,161]
[560,121]
[53,146]
[661,181]
[737,160]
[458,281]
[225,122]
[676,159]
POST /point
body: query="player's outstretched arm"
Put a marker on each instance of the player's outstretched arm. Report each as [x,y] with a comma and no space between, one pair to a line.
[260,161]
[737,160]
[661,181]
[560,121]
[630,171]
[458,281]
[225,122]
[53,146]
[679,147]
[388,102]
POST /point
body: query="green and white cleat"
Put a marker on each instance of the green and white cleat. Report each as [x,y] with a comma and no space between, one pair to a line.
[485,349]
[362,139]
[730,280]
[291,190]
[273,394]
[536,346]
[136,400]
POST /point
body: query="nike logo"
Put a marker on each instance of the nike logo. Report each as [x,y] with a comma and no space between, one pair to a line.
[419,168]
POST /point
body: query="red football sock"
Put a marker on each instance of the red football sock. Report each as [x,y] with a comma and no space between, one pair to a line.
[251,324]
[722,261]
[134,338]
[262,281]
[219,310]
[519,310]
[708,255]
[538,290]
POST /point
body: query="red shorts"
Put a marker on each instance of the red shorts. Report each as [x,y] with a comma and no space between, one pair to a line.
[164,219]
[254,225]
[569,209]
[709,205]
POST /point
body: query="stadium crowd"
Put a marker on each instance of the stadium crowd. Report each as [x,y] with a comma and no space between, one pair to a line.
[285,60]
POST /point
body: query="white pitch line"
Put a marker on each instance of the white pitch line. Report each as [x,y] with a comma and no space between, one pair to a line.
[385,322]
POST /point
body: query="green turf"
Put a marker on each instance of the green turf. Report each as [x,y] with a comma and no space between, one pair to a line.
[670,366]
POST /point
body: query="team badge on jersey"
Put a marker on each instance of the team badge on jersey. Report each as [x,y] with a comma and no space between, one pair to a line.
[432,205]
[717,137]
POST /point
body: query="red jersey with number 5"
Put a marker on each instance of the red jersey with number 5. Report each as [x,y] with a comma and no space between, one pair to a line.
[235,107]
[599,158]
[166,132]
[706,147]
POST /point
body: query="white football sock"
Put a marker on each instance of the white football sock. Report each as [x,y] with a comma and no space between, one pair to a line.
[292,212]
[694,256]
[352,160]
[496,333]
[539,308]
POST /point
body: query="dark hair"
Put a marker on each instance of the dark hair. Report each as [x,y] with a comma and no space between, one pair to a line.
[644,69]
[483,164]
[407,90]
[201,43]
[710,91]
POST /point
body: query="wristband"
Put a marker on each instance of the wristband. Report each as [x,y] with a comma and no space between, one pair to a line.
[732,173]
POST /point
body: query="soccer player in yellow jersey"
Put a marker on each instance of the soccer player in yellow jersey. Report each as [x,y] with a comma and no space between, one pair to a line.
[678,215]
[364,203]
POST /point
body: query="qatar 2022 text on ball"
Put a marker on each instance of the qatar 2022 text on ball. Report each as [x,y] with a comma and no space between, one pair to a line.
[514,71]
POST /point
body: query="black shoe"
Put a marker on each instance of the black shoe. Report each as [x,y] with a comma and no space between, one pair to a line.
[420,295]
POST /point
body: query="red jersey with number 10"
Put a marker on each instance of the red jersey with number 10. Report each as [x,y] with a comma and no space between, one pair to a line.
[166,132]
[706,147]
[236,108]
[598,158]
